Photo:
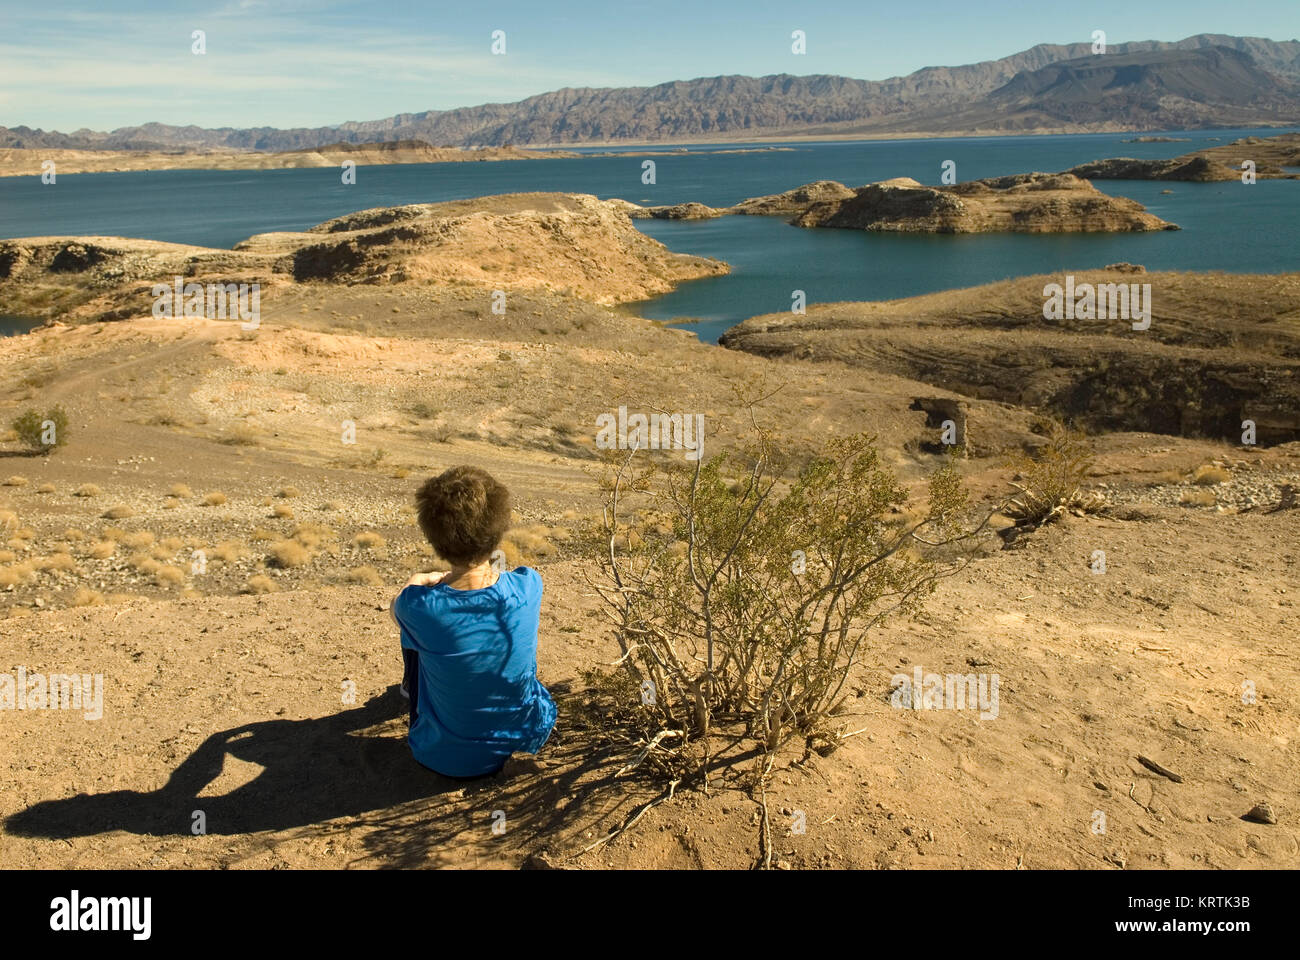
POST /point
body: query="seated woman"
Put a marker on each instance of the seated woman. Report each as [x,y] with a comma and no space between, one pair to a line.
[469,636]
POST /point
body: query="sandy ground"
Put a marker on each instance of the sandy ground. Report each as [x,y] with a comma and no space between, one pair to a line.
[241,705]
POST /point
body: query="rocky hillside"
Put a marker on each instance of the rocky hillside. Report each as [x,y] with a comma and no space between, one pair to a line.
[1220,349]
[1203,80]
[1271,156]
[528,241]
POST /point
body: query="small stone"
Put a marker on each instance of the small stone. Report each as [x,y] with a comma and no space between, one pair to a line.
[783,864]
[1261,812]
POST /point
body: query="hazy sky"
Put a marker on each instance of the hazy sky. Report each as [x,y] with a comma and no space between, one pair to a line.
[103,64]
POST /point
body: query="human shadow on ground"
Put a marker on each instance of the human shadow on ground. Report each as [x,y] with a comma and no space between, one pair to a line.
[313,770]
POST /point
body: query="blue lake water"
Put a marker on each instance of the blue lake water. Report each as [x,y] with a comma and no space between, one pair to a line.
[1226,226]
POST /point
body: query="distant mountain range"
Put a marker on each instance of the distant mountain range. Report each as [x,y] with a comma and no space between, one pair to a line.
[1208,80]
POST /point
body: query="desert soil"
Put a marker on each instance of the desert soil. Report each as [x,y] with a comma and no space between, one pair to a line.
[261,691]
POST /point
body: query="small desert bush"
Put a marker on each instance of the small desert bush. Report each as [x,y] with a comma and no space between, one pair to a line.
[180,491]
[288,492]
[260,584]
[261,535]
[288,554]
[73,534]
[45,488]
[169,576]
[756,605]
[1208,475]
[312,535]
[283,511]
[241,435]
[57,562]
[87,490]
[16,481]
[1197,498]
[12,576]
[367,575]
[101,549]
[7,556]
[214,499]
[138,540]
[116,534]
[43,432]
[85,597]
[120,512]
[368,540]
[143,563]
[228,551]
[172,543]
[1052,479]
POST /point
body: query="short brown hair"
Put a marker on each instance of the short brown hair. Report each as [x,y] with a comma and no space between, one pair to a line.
[464,513]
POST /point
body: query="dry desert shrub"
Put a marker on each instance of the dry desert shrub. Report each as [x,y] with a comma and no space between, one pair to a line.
[120,512]
[116,534]
[138,540]
[312,535]
[228,551]
[366,575]
[85,597]
[1209,475]
[531,543]
[180,491]
[282,511]
[16,481]
[214,499]
[241,435]
[169,576]
[7,556]
[161,553]
[260,584]
[1051,481]
[101,549]
[755,606]
[171,503]
[73,534]
[288,492]
[143,563]
[288,554]
[261,535]
[172,543]
[369,540]
[334,505]
[87,490]
[57,562]
[46,488]
[1197,498]
[15,574]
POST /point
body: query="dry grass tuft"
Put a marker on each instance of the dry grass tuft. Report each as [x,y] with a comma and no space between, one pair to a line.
[120,512]
[180,491]
[228,551]
[101,549]
[260,584]
[16,481]
[1197,498]
[366,575]
[45,488]
[288,492]
[86,598]
[87,490]
[283,511]
[214,499]
[288,554]
[138,540]
[369,540]
[1208,475]
[169,576]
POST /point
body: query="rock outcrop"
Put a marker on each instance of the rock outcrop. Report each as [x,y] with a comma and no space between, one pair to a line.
[1215,354]
[1023,203]
[570,243]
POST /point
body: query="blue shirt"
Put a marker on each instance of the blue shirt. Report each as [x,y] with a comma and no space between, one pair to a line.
[478,696]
